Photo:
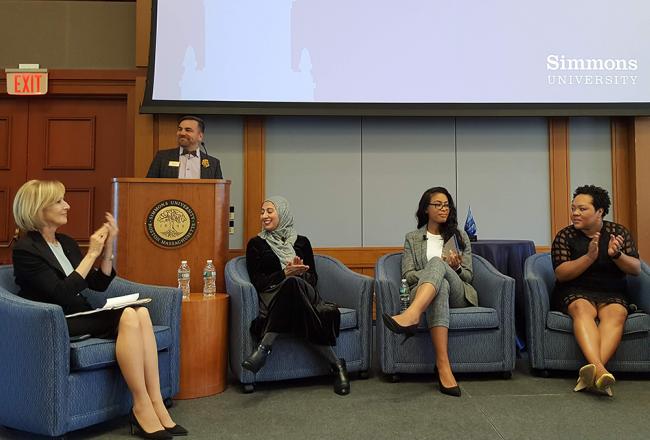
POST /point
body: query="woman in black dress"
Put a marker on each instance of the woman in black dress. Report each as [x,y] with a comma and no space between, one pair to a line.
[591,258]
[280,264]
[49,267]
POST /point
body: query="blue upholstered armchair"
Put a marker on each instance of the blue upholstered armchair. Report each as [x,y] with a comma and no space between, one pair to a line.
[51,386]
[551,344]
[292,358]
[481,339]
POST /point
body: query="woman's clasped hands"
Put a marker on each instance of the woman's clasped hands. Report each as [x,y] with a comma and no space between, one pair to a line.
[295,268]
[106,234]
[452,258]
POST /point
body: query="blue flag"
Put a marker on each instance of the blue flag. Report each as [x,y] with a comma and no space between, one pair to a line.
[470,225]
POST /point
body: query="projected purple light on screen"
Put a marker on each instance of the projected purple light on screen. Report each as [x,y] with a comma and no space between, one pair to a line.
[416,51]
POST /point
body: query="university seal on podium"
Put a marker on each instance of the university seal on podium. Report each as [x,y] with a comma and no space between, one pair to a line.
[171,223]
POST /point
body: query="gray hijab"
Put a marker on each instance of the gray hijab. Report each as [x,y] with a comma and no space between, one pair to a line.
[282,238]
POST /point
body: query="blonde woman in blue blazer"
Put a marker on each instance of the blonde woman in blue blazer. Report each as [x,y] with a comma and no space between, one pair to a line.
[437,265]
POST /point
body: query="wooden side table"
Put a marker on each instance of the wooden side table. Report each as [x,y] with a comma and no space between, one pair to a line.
[204,346]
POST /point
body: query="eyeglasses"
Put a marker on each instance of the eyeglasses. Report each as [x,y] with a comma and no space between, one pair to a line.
[439,206]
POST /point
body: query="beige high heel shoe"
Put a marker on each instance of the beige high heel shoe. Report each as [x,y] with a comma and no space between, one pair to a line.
[586,377]
[604,384]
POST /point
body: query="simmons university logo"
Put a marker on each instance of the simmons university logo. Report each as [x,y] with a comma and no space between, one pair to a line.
[592,72]
[171,223]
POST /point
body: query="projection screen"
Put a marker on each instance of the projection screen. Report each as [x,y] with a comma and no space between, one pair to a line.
[399,57]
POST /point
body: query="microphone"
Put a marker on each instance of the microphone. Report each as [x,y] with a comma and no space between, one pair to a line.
[205,150]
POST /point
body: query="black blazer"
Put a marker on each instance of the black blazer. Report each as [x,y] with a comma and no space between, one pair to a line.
[41,277]
[160,165]
[264,267]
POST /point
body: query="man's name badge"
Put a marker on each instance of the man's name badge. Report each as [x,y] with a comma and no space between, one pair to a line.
[174,163]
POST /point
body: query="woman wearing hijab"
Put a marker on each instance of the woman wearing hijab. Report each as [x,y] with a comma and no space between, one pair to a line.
[280,264]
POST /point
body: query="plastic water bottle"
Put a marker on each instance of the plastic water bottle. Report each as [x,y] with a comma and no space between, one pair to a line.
[404,299]
[209,279]
[184,279]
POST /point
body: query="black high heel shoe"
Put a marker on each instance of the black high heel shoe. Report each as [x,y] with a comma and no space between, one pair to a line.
[136,429]
[341,379]
[256,361]
[452,391]
[176,430]
[393,326]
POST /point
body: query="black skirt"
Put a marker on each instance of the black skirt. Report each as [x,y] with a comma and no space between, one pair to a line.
[98,325]
[563,296]
[295,307]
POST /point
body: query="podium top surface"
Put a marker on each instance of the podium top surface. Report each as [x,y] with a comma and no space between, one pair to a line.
[170,180]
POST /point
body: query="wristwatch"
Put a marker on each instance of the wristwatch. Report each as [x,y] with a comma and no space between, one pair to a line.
[617,255]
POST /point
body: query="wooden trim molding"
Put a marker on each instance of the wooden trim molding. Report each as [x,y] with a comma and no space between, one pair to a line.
[254,174]
[232,253]
[143,128]
[165,127]
[642,183]
[559,173]
[359,259]
[142,32]
[623,173]
[83,81]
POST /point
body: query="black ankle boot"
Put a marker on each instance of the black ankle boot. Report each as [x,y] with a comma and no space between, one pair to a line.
[257,360]
[341,379]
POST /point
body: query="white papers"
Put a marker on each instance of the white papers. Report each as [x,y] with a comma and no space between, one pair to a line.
[117,302]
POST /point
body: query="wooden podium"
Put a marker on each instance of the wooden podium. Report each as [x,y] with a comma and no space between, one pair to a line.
[164,221]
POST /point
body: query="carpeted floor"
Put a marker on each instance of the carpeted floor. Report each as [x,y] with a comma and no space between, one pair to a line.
[524,407]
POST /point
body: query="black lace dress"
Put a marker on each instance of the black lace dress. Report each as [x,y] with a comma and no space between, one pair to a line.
[603,282]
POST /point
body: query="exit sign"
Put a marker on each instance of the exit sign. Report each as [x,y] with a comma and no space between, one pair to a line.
[27,82]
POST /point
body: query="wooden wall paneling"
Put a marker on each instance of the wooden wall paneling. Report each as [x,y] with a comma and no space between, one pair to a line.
[623,173]
[5,216]
[560,173]
[70,143]
[5,165]
[144,146]
[146,138]
[254,174]
[107,84]
[13,159]
[5,141]
[73,89]
[165,131]
[358,258]
[82,208]
[60,141]
[132,109]
[642,183]
[142,32]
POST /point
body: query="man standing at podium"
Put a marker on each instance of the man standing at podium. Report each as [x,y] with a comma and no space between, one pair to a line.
[186,161]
